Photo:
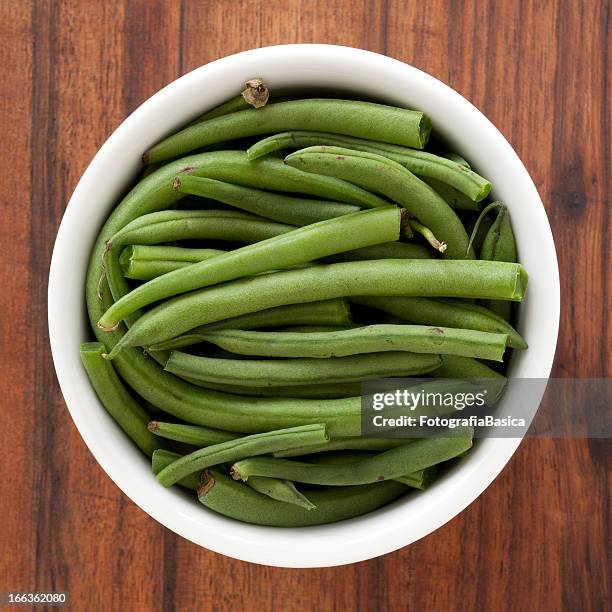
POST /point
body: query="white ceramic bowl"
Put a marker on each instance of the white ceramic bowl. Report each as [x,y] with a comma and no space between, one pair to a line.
[115,166]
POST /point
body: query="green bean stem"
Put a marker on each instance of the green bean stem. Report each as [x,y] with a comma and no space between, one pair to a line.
[128,414]
[368,339]
[421,163]
[428,235]
[361,119]
[469,279]
[195,435]
[248,446]
[445,313]
[390,464]
[387,177]
[282,208]
[326,312]
[301,245]
[271,372]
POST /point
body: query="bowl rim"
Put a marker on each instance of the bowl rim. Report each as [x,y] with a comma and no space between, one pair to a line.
[358,539]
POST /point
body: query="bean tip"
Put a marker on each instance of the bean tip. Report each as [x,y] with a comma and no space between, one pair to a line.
[207,482]
[152,426]
[234,473]
[176,183]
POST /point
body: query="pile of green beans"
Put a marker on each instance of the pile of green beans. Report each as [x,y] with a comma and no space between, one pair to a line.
[339,252]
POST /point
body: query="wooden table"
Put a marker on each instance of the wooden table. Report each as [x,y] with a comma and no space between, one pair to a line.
[535,540]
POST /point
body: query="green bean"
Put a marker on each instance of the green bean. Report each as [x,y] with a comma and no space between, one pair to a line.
[499,245]
[387,177]
[248,446]
[299,246]
[453,197]
[282,208]
[163,458]
[390,464]
[421,163]
[196,435]
[417,480]
[141,262]
[340,444]
[128,414]
[455,157]
[233,105]
[467,368]
[273,372]
[324,392]
[280,490]
[361,119]
[326,312]
[165,391]
[272,174]
[445,313]
[237,501]
[368,339]
[468,279]
[170,225]
[386,250]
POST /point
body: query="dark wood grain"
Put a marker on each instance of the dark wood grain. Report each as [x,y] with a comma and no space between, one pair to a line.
[537,539]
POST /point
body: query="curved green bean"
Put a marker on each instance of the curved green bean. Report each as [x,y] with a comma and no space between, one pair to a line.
[274,372]
[393,463]
[282,208]
[470,279]
[421,163]
[446,313]
[248,446]
[281,490]
[298,246]
[195,435]
[128,414]
[169,225]
[499,245]
[387,177]
[326,312]
[162,458]
[238,501]
[361,119]
[367,339]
